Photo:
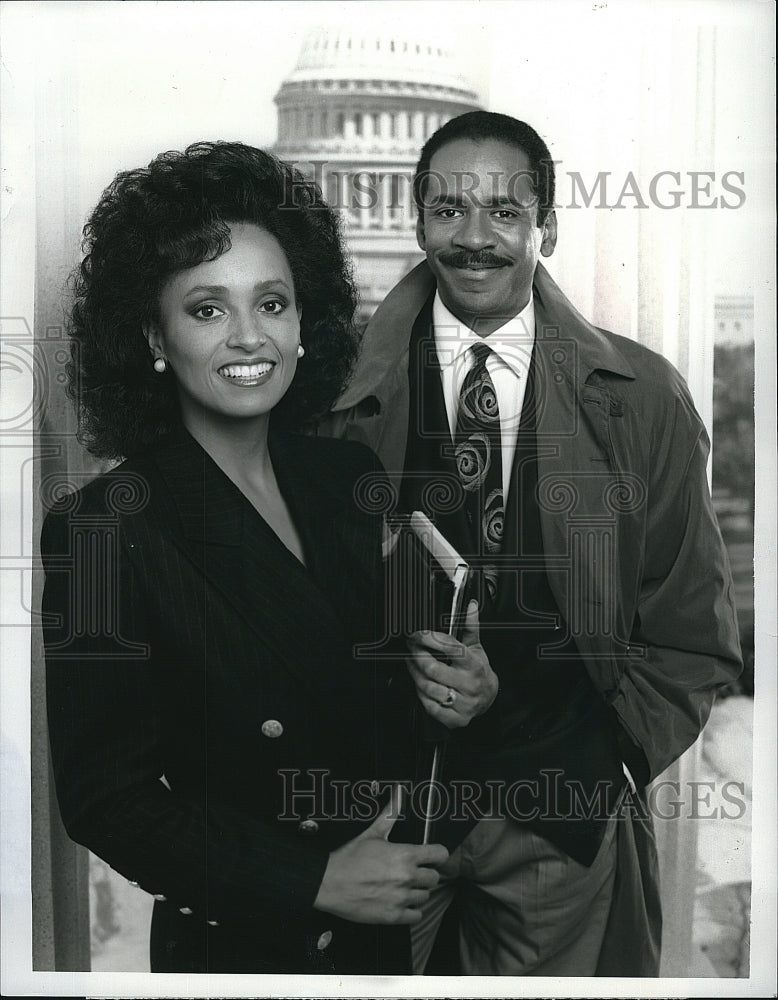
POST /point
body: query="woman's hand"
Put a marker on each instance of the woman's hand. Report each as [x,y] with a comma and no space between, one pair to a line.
[370,881]
[454,680]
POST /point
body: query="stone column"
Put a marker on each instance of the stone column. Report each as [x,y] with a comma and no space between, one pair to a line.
[385,194]
[48,135]
[346,195]
[676,317]
[410,212]
[367,130]
[364,200]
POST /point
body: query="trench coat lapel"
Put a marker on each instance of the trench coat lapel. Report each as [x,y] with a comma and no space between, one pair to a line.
[578,475]
[219,530]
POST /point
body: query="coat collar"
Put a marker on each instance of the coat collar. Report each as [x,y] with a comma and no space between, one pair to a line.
[386,338]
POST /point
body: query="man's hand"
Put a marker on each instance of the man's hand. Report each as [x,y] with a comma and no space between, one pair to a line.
[370,881]
[454,680]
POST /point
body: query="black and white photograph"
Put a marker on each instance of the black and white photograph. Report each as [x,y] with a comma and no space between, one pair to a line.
[388,463]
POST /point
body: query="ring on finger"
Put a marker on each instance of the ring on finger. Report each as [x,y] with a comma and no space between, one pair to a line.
[451,697]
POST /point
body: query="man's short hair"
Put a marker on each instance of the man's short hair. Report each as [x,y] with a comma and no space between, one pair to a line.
[482,125]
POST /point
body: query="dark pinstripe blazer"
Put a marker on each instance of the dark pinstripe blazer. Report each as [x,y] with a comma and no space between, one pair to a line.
[197,674]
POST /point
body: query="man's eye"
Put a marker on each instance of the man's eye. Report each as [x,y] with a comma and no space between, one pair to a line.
[506,213]
[449,213]
[207,311]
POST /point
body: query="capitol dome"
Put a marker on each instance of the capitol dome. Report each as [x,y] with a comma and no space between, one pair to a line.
[397,56]
[353,115]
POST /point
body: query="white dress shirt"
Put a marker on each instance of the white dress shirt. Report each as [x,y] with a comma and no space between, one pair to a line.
[508,366]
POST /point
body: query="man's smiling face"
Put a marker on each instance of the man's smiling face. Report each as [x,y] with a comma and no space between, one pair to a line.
[480,232]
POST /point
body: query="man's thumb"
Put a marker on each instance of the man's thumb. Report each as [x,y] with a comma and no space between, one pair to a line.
[383,823]
[471,632]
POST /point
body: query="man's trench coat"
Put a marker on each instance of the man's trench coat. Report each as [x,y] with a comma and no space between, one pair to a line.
[633,552]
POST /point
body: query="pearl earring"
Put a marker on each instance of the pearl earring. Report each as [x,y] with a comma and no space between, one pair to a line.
[300,350]
[159,366]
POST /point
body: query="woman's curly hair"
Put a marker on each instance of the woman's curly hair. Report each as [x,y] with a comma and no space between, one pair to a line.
[154,222]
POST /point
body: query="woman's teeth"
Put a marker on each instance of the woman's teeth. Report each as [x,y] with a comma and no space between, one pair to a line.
[246,371]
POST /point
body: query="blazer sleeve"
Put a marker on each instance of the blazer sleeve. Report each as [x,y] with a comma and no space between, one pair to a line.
[107,748]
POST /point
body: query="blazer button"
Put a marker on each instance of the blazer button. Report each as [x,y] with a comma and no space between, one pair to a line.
[272,728]
[135,885]
[160,898]
[213,923]
[324,940]
[185,910]
[308,826]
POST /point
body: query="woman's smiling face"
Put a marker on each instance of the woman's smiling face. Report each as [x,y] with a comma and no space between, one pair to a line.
[229,330]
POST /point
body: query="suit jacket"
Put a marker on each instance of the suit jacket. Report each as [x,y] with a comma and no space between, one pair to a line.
[632,550]
[203,693]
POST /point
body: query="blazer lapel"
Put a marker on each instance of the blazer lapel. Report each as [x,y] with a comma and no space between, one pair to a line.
[342,542]
[226,538]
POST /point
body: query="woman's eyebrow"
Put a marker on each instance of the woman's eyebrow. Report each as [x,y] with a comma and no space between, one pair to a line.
[223,289]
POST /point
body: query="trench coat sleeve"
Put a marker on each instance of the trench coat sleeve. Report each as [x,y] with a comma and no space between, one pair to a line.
[107,751]
[684,644]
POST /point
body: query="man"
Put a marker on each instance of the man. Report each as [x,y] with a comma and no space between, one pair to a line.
[568,465]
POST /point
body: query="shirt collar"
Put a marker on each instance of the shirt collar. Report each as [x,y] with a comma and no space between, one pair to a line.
[512,342]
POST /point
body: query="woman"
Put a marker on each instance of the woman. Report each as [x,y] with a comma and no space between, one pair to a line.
[214,737]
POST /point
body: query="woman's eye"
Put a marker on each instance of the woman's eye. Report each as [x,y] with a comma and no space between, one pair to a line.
[207,311]
[273,306]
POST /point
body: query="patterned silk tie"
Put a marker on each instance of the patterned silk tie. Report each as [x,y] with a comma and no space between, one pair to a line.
[478,453]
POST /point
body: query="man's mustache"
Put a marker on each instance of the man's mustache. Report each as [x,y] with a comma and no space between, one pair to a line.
[479,258]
